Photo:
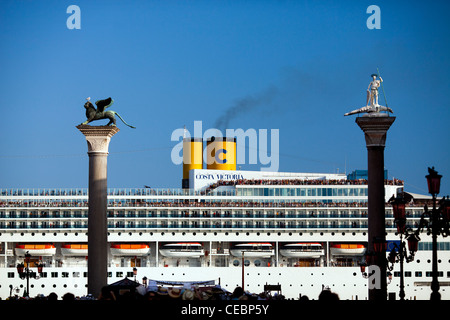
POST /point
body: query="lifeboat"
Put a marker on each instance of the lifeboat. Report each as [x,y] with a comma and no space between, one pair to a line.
[182,250]
[74,249]
[253,250]
[302,250]
[130,249]
[347,249]
[36,249]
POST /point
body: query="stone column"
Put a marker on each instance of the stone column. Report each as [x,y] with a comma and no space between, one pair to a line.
[375,127]
[98,138]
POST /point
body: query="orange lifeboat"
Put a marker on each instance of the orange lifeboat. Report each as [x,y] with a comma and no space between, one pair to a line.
[130,249]
[74,249]
[35,249]
[350,249]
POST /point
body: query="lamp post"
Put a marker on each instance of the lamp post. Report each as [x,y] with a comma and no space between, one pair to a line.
[435,221]
[25,273]
[398,252]
[135,273]
[144,281]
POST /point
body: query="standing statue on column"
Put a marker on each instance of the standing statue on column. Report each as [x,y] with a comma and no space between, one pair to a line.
[372,106]
[372,90]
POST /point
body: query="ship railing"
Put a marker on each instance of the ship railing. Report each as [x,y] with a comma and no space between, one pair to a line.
[40,192]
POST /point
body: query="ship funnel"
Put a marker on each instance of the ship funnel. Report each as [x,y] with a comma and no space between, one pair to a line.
[221,153]
[192,157]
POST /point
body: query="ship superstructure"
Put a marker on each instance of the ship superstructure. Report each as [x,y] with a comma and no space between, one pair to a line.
[302,231]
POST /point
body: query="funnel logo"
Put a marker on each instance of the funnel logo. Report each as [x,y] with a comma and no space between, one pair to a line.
[218,160]
[223,153]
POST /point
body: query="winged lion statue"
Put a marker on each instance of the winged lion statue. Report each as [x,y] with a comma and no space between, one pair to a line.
[93,114]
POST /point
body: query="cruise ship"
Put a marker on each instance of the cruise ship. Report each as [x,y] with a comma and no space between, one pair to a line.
[302,232]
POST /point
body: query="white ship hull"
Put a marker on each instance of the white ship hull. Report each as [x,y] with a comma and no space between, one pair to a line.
[310,281]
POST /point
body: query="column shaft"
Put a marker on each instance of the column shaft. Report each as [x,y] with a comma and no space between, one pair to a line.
[375,129]
[97,223]
[98,139]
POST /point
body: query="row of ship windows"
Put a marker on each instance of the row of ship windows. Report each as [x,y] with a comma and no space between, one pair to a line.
[203,214]
[194,224]
[303,192]
[120,274]
[243,191]
[197,225]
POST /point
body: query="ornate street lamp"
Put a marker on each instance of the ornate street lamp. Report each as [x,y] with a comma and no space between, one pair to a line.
[434,181]
[398,252]
[25,272]
[435,221]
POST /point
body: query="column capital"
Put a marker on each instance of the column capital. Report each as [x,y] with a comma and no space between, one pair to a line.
[98,137]
[375,129]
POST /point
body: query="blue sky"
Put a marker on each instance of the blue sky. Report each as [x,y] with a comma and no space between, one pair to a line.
[170,63]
